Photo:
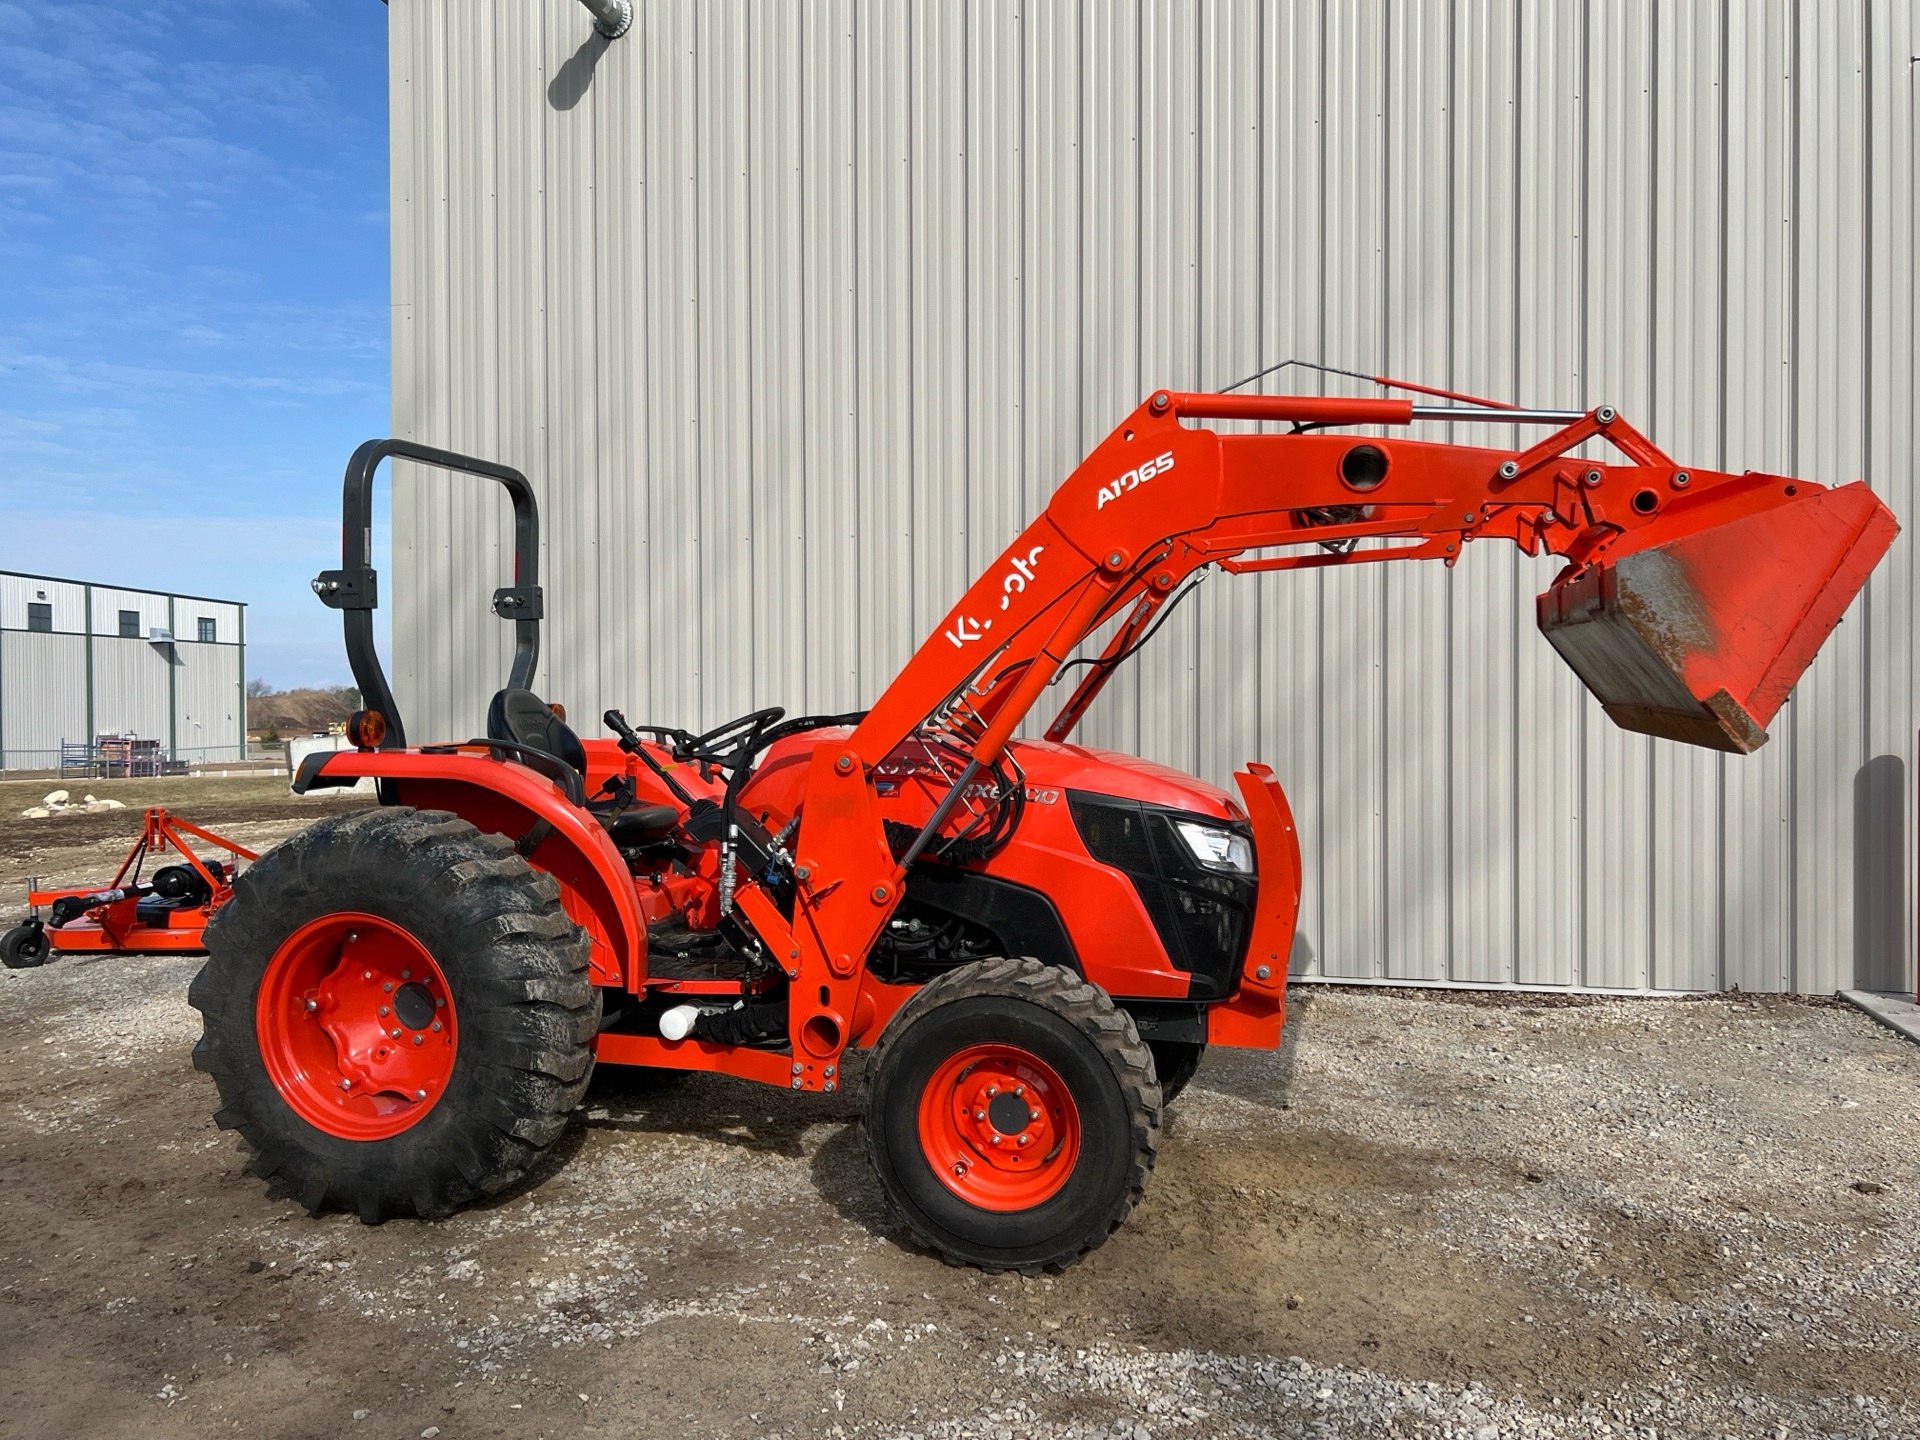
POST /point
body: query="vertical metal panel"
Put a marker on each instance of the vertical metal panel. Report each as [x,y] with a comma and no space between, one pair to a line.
[1353,324]
[1293,185]
[1551,711]
[1415,757]
[1883,790]
[1829,324]
[1757,414]
[42,697]
[207,694]
[1485,600]
[130,693]
[795,315]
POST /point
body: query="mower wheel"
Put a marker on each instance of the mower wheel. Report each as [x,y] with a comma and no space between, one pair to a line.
[1012,1115]
[397,1013]
[1175,1062]
[25,946]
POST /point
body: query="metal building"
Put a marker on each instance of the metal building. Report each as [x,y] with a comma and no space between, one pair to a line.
[80,660]
[795,313]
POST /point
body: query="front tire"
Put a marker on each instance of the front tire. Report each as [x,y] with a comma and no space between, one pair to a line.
[397,1013]
[1012,1115]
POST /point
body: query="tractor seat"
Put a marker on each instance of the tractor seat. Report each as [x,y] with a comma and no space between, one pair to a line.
[521,717]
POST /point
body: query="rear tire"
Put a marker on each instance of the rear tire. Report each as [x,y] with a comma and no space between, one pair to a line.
[496,988]
[24,947]
[1031,1040]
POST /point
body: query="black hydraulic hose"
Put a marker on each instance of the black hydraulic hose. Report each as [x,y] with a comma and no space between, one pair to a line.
[1135,648]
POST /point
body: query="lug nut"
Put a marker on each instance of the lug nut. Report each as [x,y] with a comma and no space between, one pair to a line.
[996,1140]
[436,1027]
[419,1094]
[992,1090]
[1025,1138]
[388,987]
[393,1034]
[418,1038]
[960,1170]
[346,1084]
[979,1114]
[406,974]
[383,1009]
[312,1005]
[1033,1114]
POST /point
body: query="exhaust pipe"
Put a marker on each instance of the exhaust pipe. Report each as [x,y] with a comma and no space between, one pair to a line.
[612,18]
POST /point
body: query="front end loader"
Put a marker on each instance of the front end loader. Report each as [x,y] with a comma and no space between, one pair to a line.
[1032,941]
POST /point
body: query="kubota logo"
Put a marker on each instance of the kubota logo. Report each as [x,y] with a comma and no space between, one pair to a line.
[967,629]
[1159,465]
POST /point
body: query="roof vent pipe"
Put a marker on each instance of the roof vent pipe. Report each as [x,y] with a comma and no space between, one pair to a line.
[612,18]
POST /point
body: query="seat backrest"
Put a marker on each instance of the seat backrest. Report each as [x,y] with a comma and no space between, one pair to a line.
[523,718]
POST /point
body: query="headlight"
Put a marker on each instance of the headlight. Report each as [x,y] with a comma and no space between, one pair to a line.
[1217,849]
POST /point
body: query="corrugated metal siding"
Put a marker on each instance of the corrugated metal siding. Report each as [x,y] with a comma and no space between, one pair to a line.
[130,694]
[44,679]
[40,705]
[794,315]
[68,602]
[108,605]
[206,701]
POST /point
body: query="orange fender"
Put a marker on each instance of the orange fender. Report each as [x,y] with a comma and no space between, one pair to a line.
[512,800]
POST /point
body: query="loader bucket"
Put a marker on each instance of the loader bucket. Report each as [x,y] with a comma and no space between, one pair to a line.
[1700,637]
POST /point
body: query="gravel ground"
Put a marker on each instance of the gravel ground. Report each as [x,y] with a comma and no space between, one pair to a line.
[1427,1215]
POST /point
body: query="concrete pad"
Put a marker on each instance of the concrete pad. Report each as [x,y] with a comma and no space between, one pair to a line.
[1896,1012]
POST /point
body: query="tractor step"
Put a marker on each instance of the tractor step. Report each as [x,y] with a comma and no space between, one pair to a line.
[697,962]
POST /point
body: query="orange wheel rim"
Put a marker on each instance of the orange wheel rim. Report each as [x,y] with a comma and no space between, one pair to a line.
[356,1026]
[999,1127]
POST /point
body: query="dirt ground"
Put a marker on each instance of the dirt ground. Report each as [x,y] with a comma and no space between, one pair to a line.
[1427,1215]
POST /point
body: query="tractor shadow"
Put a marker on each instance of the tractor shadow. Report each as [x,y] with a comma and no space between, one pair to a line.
[718,1108]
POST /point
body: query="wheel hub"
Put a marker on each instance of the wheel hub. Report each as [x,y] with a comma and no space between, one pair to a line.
[999,1127]
[356,1027]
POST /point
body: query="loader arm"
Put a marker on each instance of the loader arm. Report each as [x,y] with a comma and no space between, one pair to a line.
[1690,603]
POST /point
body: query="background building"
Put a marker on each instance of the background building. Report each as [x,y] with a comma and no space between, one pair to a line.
[794,314]
[79,660]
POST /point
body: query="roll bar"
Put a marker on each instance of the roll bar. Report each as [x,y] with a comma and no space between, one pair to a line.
[353,589]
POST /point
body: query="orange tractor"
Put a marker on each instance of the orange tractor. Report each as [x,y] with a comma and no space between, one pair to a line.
[1033,941]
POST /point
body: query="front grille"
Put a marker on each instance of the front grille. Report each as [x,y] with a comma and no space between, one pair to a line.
[1204,918]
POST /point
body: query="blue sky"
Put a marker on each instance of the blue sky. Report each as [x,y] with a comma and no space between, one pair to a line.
[193,298]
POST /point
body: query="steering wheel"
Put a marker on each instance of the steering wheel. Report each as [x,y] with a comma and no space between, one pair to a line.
[743,733]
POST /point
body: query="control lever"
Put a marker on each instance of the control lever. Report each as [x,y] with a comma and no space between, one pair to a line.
[630,742]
